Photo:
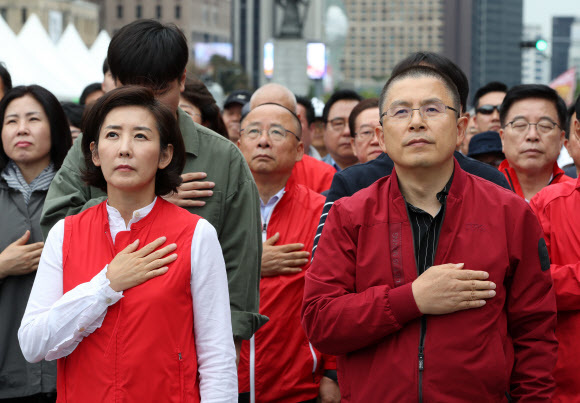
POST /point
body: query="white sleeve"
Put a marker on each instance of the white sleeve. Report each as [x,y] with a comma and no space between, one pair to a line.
[54,324]
[214,342]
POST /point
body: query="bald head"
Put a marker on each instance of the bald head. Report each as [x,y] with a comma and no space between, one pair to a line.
[273,93]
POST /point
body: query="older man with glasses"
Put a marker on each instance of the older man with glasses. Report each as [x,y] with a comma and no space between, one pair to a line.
[278,363]
[362,122]
[420,285]
[532,120]
[337,131]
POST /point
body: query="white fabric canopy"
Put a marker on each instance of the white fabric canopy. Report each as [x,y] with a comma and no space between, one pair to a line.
[65,68]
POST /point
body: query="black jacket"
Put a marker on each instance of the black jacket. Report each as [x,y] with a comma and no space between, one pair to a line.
[357,177]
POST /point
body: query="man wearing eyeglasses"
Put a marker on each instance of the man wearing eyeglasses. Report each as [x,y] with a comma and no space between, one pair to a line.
[420,285]
[278,363]
[487,101]
[362,122]
[532,117]
[336,132]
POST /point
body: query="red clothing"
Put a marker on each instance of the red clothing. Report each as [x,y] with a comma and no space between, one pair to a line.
[312,173]
[558,176]
[557,209]
[145,348]
[287,368]
[359,304]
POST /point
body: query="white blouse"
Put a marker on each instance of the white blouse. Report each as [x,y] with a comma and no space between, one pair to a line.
[54,324]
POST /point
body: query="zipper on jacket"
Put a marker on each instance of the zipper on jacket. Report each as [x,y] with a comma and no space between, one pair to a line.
[422,355]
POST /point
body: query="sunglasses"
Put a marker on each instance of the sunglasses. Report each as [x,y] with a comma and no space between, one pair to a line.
[488,109]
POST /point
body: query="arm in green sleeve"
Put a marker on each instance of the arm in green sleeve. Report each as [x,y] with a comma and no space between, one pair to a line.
[241,242]
[68,194]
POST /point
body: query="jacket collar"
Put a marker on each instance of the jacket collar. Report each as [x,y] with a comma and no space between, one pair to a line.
[188,132]
[511,176]
[459,177]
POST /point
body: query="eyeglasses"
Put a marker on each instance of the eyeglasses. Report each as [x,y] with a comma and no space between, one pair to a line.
[365,135]
[432,110]
[338,124]
[276,133]
[488,109]
[521,126]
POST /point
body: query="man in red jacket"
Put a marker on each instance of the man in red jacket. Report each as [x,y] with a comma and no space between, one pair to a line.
[278,363]
[432,284]
[557,209]
[533,118]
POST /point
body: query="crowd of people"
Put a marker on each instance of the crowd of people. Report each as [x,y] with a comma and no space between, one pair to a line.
[156,247]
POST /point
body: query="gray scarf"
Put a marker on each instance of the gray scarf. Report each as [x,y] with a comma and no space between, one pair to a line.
[16,181]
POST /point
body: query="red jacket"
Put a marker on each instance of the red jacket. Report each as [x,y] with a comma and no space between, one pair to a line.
[558,176]
[287,368]
[557,209]
[145,349]
[312,173]
[359,305]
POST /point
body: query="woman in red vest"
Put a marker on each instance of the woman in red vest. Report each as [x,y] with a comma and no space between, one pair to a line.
[131,295]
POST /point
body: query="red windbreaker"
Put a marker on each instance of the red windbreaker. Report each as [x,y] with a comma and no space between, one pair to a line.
[286,367]
[312,173]
[557,208]
[359,304]
[558,176]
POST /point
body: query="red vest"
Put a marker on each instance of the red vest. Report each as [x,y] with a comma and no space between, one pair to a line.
[145,348]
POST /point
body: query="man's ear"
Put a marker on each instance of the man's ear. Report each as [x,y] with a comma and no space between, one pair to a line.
[380,134]
[461,127]
[95,154]
[300,151]
[182,81]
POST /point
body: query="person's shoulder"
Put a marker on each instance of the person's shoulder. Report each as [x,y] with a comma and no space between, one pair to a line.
[360,176]
[309,196]
[312,163]
[554,193]
[481,170]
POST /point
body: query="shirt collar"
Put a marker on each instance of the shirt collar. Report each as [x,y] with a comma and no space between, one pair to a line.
[116,220]
[186,125]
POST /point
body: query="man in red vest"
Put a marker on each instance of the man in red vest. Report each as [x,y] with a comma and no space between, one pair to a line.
[533,118]
[278,363]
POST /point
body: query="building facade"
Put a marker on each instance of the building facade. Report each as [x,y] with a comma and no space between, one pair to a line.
[54,15]
[535,64]
[561,41]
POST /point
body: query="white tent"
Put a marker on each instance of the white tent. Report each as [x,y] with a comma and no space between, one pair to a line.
[99,49]
[65,69]
[73,52]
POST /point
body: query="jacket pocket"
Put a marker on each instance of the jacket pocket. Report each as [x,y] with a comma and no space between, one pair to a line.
[181,375]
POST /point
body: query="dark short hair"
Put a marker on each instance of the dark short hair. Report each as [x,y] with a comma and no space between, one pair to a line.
[106,66]
[568,128]
[5,78]
[73,112]
[417,71]
[494,86]
[60,137]
[166,179]
[340,95]
[442,64]
[148,53]
[307,104]
[361,106]
[526,91]
[89,89]
[197,93]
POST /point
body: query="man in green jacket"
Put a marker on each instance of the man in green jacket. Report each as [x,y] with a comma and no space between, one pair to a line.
[149,53]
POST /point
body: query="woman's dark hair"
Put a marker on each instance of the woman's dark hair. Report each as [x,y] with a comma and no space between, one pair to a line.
[361,106]
[197,93]
[5,77]
[167,179]
[60,137]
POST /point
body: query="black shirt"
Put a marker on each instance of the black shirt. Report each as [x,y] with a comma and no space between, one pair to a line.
[426,229]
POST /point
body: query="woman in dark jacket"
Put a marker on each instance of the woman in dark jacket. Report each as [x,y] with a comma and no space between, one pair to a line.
[35,140]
